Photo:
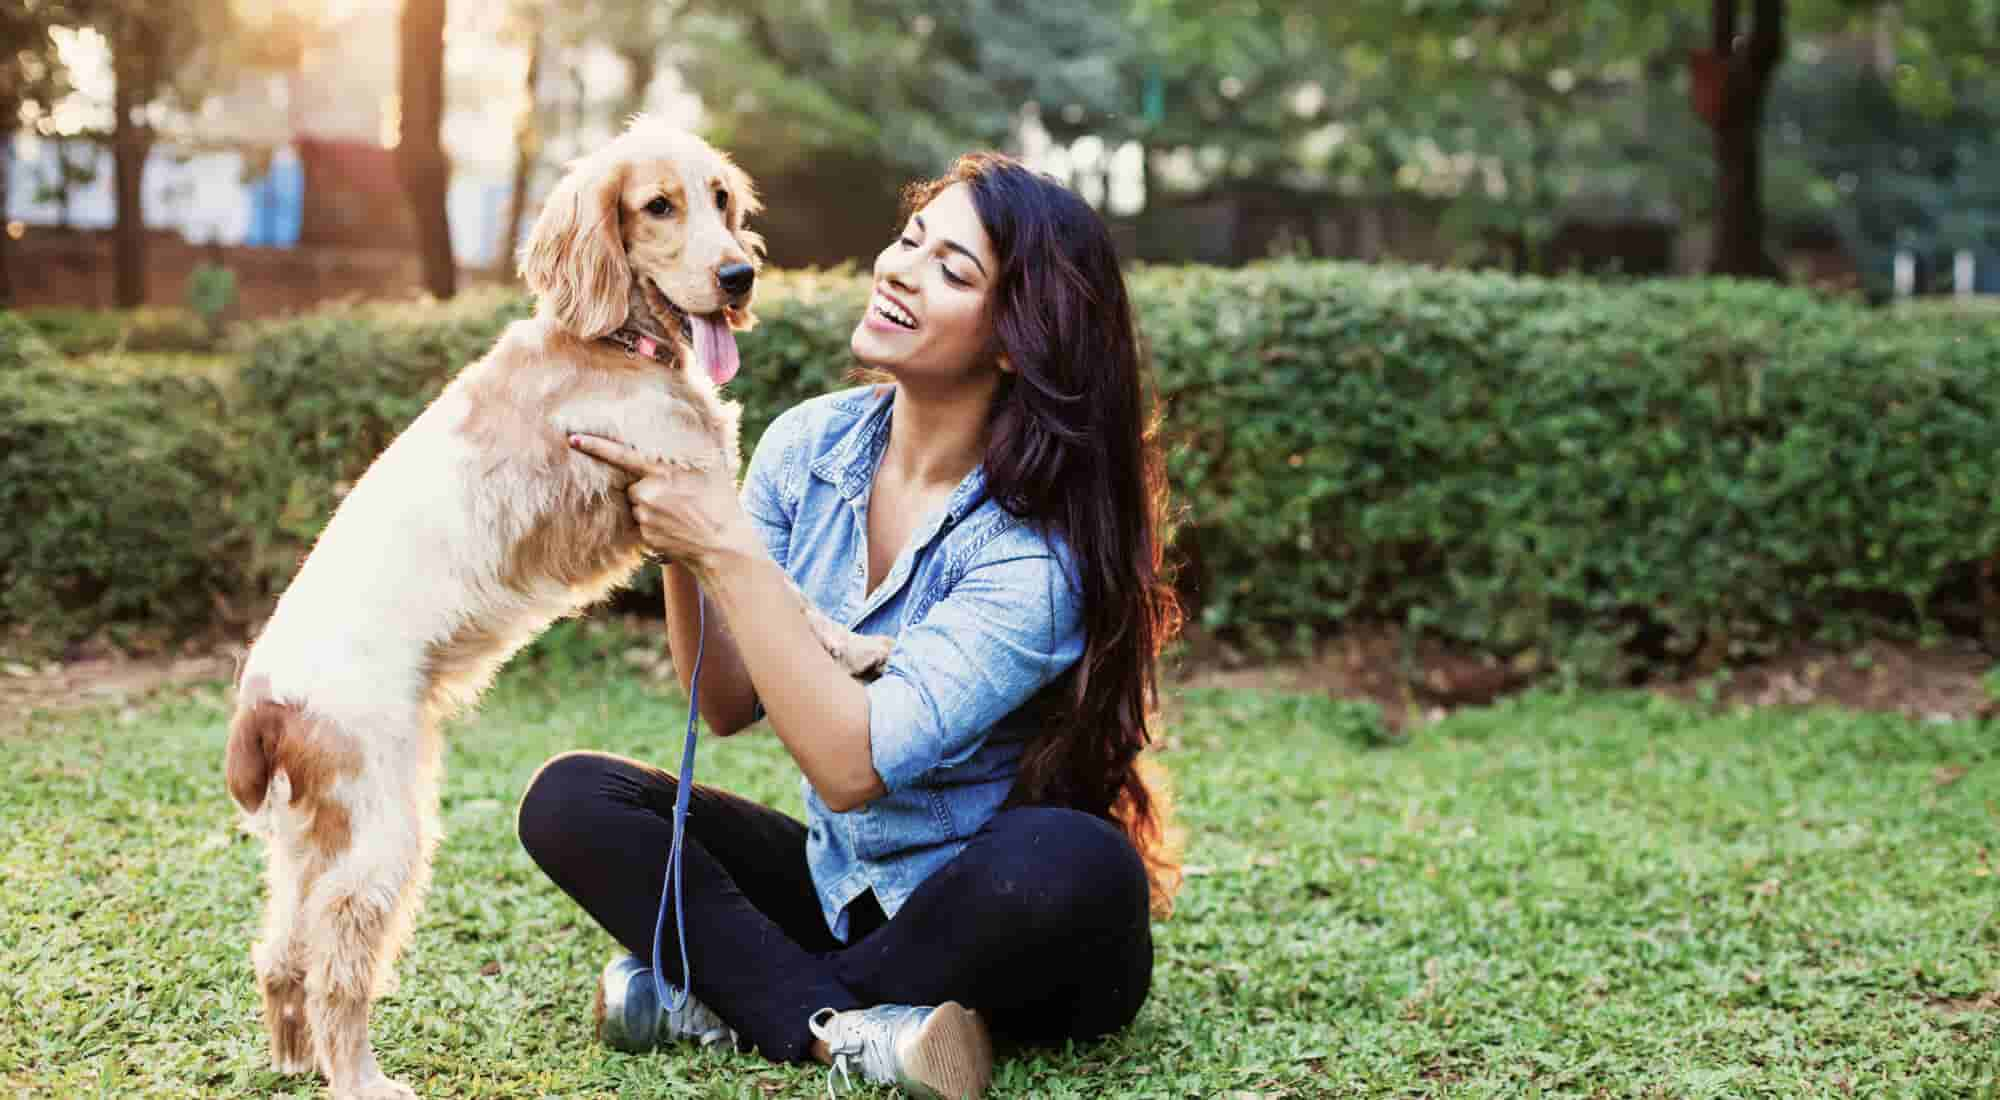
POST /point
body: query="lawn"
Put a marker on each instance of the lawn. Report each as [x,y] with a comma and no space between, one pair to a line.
[1581,895]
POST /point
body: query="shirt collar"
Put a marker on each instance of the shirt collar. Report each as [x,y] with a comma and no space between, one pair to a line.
[849,465]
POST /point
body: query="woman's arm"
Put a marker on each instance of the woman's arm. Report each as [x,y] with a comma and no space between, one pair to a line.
[816,708]
[1011,624]
[818,711]
[728,698]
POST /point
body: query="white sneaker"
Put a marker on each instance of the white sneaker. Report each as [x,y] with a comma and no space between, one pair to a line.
[631,1018]
[941,1053]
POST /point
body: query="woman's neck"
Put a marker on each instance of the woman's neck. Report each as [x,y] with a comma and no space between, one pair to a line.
[936,439]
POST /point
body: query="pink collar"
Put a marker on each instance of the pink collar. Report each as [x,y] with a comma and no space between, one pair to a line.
[636,342]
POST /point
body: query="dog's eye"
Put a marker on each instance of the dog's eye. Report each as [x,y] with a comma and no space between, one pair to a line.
[722,200]
[659,207]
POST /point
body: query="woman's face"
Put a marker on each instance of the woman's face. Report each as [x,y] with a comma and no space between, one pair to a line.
[929,314]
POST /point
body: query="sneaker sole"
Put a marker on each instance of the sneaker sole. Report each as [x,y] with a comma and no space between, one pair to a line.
[951,1056]
[608,1015]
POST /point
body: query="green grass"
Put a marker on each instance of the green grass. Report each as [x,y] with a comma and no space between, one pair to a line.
[1581,896]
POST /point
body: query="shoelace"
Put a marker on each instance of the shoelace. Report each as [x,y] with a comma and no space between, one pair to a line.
[696,1021]
[853,1045]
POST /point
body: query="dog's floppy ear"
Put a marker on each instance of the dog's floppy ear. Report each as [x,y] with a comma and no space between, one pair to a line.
[574,260]
[747,204]
[745,190]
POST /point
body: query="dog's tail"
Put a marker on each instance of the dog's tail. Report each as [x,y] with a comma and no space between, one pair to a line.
[253,738]
[268,737]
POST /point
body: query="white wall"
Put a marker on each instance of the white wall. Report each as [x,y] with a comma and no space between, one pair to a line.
[201,196]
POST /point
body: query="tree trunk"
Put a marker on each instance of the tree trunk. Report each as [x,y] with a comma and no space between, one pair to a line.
[420,152]
[527,149]
[642,64]
[1738,124]
[63,186]
[6,239]
[131,142]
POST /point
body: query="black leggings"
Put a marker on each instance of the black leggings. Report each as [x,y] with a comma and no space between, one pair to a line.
[1041,923]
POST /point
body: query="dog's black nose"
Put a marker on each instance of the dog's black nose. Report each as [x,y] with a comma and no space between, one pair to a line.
[736,279]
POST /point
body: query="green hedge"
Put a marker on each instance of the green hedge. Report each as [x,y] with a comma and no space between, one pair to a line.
[117,487]
[1603,478]
[21,345]
[78,331]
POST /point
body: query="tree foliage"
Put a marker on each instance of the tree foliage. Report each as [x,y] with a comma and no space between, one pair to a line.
[1515,114]
[906,83]
[1519,112]
[1889,171]
[30,70]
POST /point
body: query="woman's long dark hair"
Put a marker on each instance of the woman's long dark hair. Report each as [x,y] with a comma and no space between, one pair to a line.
[1073,448]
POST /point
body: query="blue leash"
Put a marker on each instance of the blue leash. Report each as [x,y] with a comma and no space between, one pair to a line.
[672,886]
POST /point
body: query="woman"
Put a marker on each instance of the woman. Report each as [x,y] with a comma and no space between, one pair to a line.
[980,849]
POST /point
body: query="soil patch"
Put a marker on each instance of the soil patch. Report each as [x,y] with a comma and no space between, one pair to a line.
[1425,680]
[100,680]
[1413,683]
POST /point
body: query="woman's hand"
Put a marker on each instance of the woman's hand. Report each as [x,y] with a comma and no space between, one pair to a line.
[817,709]
[689,515]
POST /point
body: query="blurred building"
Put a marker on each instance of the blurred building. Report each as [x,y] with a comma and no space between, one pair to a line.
[350,192]
[303,158]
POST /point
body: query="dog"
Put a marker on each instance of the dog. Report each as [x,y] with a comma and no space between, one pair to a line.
[476,528]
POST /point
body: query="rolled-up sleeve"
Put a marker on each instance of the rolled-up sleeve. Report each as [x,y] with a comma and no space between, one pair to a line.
[766,497]
[1004,630]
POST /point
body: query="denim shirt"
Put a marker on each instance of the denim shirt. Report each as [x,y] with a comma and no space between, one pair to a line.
[984,614]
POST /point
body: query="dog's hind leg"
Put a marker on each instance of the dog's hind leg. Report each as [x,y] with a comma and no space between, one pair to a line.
[350,931]
[356,916]
[280,963]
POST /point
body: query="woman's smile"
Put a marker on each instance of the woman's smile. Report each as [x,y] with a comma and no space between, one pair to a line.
[886,314]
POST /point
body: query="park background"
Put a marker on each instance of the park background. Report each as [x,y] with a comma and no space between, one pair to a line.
[1583,429]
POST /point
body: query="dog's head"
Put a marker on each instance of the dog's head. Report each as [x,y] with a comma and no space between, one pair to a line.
[648,231]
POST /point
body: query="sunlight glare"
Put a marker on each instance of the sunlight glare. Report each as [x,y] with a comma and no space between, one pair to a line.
[87,56]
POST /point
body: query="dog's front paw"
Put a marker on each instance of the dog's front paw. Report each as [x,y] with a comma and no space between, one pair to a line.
[864,655]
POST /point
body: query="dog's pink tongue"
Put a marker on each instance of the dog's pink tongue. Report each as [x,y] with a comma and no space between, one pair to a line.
[715,347]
